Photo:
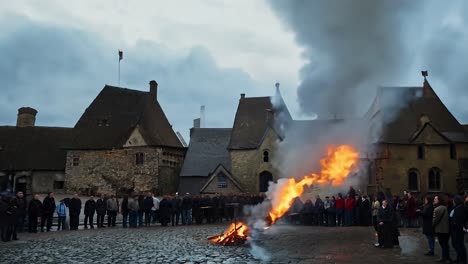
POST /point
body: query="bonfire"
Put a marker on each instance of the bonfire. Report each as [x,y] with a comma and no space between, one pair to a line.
[335,168]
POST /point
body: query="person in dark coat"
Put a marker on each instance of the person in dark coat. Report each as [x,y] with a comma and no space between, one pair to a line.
[165,211]
[386,218]
[147,205]
[319,209]
[365,211]
[440,222]
[410,212]
[90,209]
[457,222]
[307,212]
[3,218]
[187,209]
[124,211]
[196,211]
[11,215]
[22,211]
[48,209]
[100,211]
[427,213]
[141,199]
[34,213]
[175,210]
[74,210]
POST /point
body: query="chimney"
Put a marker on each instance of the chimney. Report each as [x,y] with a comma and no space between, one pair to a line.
[277,85]
[428,92]
[153,90]
[26,117]
[196,123]
[202,116]
[242,95]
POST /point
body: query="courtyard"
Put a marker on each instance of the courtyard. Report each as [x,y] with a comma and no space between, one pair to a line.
[188,244]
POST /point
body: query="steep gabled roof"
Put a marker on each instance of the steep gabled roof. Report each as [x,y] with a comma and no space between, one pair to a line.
[408,104]
[113,115]
[33,148]
[207,149]
[253,116]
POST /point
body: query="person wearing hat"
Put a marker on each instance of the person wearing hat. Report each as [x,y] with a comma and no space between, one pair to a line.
[457,222]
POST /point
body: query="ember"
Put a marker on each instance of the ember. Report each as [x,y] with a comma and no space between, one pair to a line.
[237,234]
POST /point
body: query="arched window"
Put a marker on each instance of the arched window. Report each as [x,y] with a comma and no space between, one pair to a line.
[265,178]
[222,181]
[413,180]
[139,158]
[266,156]
[434,179]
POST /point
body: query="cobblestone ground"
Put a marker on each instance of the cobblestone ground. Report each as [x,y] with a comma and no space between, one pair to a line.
[188,244]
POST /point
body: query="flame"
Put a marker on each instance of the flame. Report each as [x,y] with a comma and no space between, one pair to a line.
[336,167]
[237,232]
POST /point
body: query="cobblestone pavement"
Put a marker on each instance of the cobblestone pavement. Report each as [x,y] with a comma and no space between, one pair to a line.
[188,244]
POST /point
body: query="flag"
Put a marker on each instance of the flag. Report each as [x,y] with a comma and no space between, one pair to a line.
[120,54]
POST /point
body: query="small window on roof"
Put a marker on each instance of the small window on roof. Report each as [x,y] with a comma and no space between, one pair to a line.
[76,160]
[222,181]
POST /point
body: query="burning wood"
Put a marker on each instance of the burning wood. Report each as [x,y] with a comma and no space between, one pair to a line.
[237,234]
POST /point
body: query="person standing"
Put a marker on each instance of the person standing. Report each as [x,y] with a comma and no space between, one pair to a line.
[111,211]
[385,217]
[155,209]
[375,212]
[48,207]
[34,213]
[457,222]
[165,211]
[440,223]
[410,212]
[141,199]
[339,205]
[62,215]
[349,210]
[3,217]
[90,209]
[133,209]
[332,212]
[124,211]
[427,213]
[100,211]
[175,210]
[326,209]
[187,210]
[319,210]
[11,215]
[365,211]
[75,210]
[22,211]
[148,203]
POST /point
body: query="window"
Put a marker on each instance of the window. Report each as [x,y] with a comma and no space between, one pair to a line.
[421,152]
[413,184]
[139,158]
[103,122]
[75,161]
[453,152]
[58,185]
[266,157]
[434,179]
[222,181]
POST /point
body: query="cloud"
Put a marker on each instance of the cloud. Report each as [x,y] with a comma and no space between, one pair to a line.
[60,70]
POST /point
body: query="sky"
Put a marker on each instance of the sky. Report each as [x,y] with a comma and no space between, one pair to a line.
[329,56]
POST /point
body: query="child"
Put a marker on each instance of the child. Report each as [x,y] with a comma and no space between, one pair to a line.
[62,214]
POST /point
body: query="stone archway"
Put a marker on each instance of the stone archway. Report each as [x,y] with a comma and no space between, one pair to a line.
[264,178]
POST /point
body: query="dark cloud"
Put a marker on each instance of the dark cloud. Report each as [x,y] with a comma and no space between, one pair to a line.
[60,70]
[355,46]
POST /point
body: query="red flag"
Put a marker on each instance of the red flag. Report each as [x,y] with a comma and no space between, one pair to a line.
[120,54]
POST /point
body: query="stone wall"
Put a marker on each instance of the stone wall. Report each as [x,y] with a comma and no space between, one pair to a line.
[246,165]
[111,171]
[392,169]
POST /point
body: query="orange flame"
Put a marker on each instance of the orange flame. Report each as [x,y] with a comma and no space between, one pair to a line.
[237,232]
[335,169]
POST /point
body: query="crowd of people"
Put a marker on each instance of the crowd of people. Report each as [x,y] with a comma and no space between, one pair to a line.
[442,217]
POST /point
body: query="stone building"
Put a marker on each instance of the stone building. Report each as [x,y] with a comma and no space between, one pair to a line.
[124,142]
[32,158]
[422,147]
[207,165]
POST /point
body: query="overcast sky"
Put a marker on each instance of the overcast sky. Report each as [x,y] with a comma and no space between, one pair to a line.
[58,55]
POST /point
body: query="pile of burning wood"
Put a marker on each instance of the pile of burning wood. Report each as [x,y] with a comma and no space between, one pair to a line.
[236,235]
